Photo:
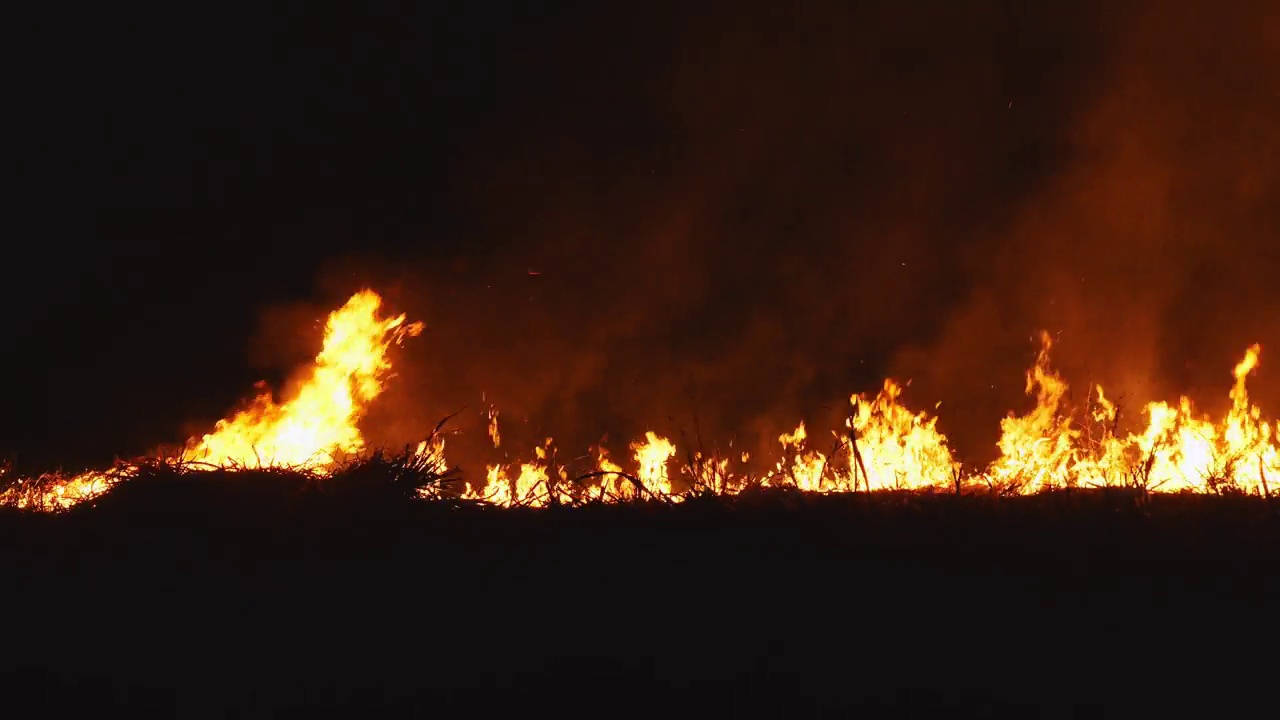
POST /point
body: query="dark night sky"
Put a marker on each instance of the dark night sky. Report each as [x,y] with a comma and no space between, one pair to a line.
[742,211]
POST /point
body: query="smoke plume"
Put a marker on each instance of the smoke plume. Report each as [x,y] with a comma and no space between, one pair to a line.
[717,224]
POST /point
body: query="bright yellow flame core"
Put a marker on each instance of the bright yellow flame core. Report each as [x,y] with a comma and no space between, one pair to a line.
[1177,451]
[899,448]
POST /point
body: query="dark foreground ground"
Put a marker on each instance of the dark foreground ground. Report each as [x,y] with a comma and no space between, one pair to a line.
[213,600]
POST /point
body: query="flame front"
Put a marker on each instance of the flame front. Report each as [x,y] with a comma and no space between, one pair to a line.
[889,447]
[885,446]
[1178,450]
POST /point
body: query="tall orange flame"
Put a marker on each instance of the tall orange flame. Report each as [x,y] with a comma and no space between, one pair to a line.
[313,428]
[1036,449]
[319,422]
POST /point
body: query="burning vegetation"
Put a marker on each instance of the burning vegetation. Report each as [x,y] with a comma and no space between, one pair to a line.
[314,431]
[884,445]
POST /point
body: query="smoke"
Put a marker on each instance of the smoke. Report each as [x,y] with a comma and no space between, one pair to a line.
[719,224]
[1151,254]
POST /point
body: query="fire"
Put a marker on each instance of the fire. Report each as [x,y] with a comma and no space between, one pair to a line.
[54,491]
[537,484]
[1179,450]
[529,487]
[808,468]
[1106,460]
[652,456]
[319,422]
[894,448]
[614,483]
[1036,449]
[888,448]
[884,446]
[1185,452]
[711,473]
[313,428]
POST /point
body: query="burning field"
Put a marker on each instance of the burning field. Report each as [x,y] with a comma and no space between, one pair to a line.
[682,359]
[291,565]
[883,446]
